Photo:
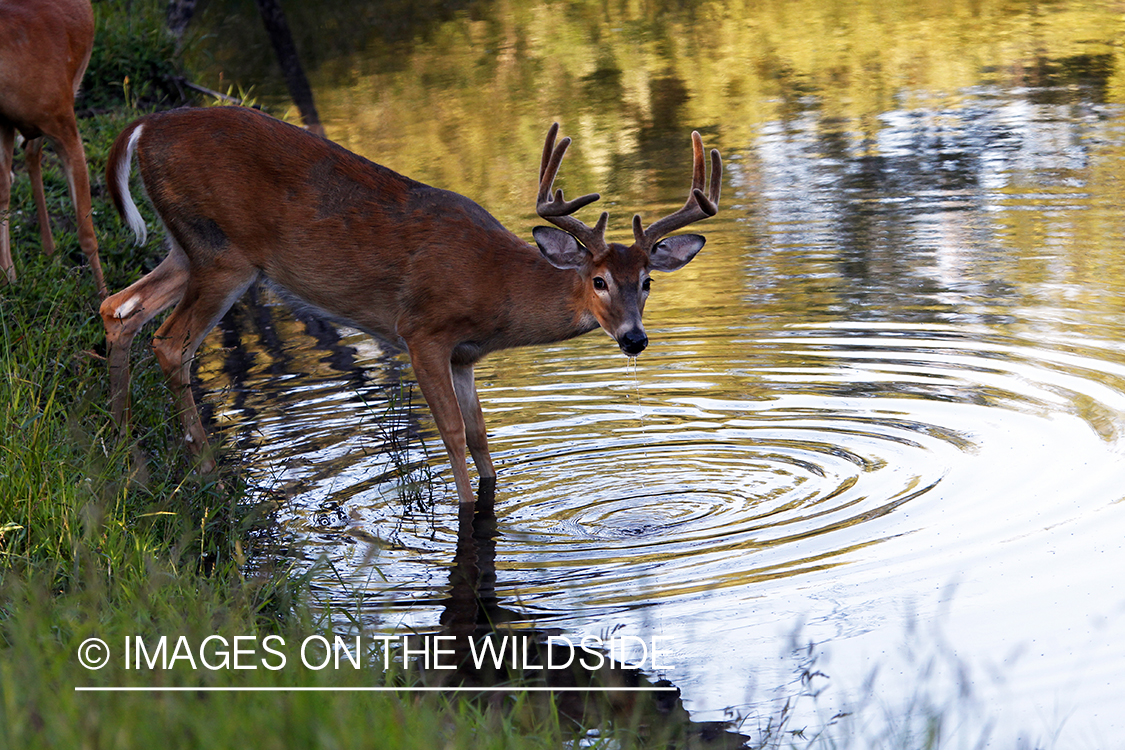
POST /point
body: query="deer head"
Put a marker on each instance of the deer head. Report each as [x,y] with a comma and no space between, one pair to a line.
[617,276]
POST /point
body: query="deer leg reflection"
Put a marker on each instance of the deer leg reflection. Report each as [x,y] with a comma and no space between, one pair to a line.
[473,615]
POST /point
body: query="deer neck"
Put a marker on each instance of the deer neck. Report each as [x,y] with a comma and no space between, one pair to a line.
[557,297]
[528,302]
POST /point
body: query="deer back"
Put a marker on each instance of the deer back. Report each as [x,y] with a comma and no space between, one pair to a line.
[45,46]
[386,253]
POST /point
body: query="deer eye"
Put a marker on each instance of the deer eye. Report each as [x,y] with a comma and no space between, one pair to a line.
[599,283]
[647,283]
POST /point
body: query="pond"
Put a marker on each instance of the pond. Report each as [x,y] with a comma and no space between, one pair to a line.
[873,460]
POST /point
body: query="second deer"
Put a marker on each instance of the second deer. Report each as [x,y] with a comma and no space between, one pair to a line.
[245,196]
[45,46]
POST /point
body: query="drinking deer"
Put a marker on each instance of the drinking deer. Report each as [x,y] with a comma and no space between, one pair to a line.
[244,196]
[45,46]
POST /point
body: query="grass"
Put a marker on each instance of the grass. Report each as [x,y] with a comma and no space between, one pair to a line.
[89,547]
[135,62]
[106,539]
[110,539]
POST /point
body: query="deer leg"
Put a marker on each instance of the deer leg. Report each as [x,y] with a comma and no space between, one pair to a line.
[125,313]
[207,296]
[68,144]
[33,154]
[7,146]
[475,433]
[432,368]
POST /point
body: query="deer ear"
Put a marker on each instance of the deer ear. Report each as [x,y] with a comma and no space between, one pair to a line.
[673,253]
[560,248]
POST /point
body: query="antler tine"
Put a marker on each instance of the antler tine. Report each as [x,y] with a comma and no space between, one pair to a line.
[698,206]
[557,210]
[548,151]
[697,173]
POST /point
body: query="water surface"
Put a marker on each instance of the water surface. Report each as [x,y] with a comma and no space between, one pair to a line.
[881,412]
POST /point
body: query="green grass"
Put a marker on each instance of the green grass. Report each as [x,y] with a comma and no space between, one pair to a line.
[102,538]
[92,547]
[135,61]
[106,539]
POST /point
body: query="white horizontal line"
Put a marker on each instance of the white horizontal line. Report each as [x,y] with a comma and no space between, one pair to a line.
[298,689]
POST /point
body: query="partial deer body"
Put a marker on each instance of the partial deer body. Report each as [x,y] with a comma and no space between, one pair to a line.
[45,46]
[244,196]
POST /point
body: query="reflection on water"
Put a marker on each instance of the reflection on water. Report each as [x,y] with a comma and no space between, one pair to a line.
[890,390]
[479,648]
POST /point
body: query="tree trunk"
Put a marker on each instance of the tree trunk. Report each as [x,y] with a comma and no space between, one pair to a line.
[180,13]
[179,16]
[281,38]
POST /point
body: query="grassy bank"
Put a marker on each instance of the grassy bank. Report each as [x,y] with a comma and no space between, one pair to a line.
[109,540]
[104,542]
[92,548]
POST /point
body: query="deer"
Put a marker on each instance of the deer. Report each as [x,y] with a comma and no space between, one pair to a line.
[45,46]
[244,196]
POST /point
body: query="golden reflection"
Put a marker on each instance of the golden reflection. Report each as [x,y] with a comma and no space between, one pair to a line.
[465,104]
[917,162]
[460,98]
[899,354]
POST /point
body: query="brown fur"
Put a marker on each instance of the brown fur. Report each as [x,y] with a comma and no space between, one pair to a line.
[45,46]
[243,195]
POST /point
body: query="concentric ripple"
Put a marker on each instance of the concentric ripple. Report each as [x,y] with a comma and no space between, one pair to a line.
[758,488]
[623,488]
[733,482]
[843,437]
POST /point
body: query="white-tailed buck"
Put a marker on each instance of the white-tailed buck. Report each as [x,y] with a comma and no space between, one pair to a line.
[244,196]
[44,49]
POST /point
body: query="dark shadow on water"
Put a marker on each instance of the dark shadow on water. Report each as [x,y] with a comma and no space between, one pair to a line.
[265,339]
[588,690]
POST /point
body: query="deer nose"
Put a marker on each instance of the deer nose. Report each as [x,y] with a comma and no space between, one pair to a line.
[633,342]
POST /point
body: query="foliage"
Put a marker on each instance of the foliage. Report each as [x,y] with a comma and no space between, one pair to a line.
[135,60]
[114,538]
[107,538]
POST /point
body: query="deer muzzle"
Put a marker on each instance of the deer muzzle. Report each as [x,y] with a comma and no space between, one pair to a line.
[633,341]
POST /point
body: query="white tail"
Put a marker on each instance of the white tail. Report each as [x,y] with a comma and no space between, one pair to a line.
[243,195]
[45,46]
[120,177]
